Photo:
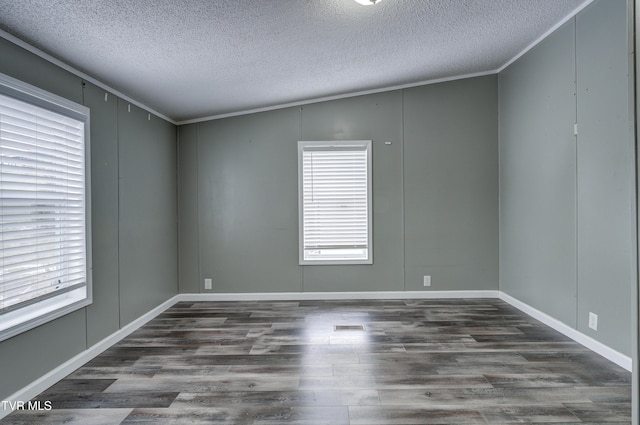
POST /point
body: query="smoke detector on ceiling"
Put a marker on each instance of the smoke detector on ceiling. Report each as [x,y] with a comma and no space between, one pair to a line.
[368,2]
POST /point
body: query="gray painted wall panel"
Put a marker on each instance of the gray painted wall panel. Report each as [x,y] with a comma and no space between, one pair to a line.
[103,316]
[378,118]
[247,192]
[451,185]
[605,181]
[28,356]
[148,236]
[537,177]
[247,185]
[36,352]
[25,66]
[566,219]
[188,238]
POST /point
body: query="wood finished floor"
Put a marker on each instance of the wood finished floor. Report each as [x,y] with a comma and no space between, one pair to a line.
[415,362]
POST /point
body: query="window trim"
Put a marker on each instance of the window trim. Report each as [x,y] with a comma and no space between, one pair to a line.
[341,144]
[33,315]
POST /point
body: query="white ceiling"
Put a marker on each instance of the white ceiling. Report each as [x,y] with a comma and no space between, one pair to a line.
[189,59]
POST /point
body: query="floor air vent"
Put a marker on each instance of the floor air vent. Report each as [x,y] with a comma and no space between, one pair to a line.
[348,328]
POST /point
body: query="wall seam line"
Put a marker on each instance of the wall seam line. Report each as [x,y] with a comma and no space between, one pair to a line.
[575,140]
[199,258]
[403,193]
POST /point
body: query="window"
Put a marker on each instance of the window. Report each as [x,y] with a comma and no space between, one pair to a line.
[334,202]
[44,207]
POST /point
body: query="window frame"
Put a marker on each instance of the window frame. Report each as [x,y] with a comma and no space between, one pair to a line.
[24,318]
[365,145]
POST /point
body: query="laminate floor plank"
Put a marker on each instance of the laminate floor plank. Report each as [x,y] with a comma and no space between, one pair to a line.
[475,361]
[68,416]
[416,414]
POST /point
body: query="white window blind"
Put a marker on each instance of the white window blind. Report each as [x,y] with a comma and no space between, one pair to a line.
[43,210]
[335,205]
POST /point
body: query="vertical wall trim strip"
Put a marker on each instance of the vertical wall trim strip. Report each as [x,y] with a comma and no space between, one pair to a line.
[576,138]
[199,259]
[633,147]
[402,194]
[118,125]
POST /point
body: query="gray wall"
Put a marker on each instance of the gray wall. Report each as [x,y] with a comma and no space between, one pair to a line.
[435,193]
[451,198]
[566,214]
[538,178]
[134,216]
[148,248]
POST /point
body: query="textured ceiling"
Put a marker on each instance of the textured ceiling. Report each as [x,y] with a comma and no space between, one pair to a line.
[195,58]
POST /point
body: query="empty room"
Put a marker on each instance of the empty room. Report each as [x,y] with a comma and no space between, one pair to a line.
[318,212]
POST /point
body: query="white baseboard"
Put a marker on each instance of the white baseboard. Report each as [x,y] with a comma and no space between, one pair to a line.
[72,364]
[590,343]
[52,377]
[373,295]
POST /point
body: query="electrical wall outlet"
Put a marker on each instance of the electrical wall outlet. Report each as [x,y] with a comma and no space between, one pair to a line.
[427,281]
[593,321]
[208,284]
